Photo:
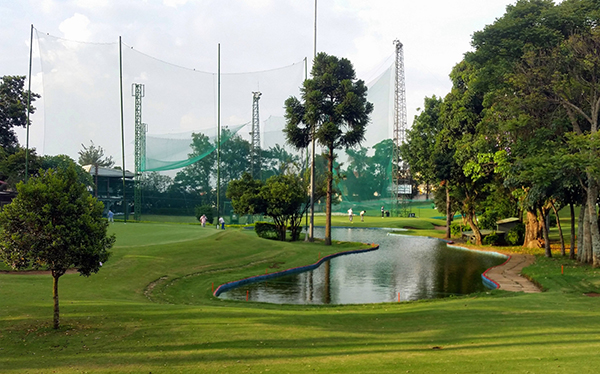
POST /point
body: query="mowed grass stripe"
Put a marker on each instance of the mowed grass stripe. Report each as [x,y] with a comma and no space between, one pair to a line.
[109,326]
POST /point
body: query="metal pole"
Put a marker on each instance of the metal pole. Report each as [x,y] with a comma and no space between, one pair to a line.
[219,134]
[312,165]
[28,106]
[306,238]
[315,43]
[125,207]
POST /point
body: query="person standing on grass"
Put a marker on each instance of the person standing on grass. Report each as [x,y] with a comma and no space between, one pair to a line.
[203,220]
[111,216]
[382,211]
[362,215]
[222,223]
[350,214]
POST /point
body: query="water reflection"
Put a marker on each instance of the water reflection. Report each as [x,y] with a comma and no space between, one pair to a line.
[408,267]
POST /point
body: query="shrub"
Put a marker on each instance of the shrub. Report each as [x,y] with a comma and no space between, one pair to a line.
[208,211]
[456,228]
[488,220]
[516,235]
[491,239]
[266,230]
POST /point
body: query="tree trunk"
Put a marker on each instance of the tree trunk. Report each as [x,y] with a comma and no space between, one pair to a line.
[572,249]
[449,213]
[329,197]
[594,232]
[56,318]
[580,231]
[560,232]
[544,220]
[532,230]
[587,239]
[474,228]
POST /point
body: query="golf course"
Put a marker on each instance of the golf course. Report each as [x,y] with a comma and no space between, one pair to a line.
[150,309]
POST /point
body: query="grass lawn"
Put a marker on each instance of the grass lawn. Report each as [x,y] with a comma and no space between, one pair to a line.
[150,310]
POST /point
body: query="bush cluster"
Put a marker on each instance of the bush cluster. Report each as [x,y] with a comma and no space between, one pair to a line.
[491,239]
[456,228]
[516,235]
[266,230]
[208,211]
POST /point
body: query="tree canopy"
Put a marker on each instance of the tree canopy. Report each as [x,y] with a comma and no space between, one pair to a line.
[54,224]
[334,111]
[13,109]
[282,197]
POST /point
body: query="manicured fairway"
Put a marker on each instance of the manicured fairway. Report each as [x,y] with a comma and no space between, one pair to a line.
[150,309]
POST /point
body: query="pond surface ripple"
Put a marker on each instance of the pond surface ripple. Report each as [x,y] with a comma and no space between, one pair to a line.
[409,267]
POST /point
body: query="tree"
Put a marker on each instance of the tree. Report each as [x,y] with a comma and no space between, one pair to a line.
[64,162]
[382,165]
[13,109]
[335,112]
[245,195]
[281,197]
[12,165]
[196,177]
[54,224]
[277,160]
[419,149]
[284,196]
[94,156]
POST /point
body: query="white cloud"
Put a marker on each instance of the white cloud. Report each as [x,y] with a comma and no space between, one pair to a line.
[47,6]
[91,4]
[76,28]
[174,3]
[258,3]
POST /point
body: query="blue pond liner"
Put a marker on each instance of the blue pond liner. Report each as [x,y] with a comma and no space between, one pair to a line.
[258,278]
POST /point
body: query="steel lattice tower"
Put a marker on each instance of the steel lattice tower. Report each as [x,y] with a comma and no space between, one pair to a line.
[400,175]
[138,91]
[255,164]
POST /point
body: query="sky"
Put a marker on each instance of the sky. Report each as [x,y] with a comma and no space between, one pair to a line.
[256,35]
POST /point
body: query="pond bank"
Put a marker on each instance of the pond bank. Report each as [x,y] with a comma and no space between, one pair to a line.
[508,275]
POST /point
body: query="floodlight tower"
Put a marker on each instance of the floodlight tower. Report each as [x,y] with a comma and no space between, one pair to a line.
[255,164]
[401,184]
[139,91]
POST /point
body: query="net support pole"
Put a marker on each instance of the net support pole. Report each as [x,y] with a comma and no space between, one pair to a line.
[138,91]
[401,183]
[125,208]
[311,236]
[28,105]
[218,132]
[306,237]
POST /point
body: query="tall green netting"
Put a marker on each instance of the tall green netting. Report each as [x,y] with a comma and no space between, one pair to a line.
[81,103]
[175,151]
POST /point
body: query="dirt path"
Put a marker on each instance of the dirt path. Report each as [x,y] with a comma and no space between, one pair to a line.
[508,275]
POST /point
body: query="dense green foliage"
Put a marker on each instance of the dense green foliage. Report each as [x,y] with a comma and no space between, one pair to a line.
[516,235]
[266,230]
[515,136]
[13,109]
[334,112]
[54,224]
[281,197]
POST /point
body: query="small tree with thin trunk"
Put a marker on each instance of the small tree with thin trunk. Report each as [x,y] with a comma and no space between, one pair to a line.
[54,224]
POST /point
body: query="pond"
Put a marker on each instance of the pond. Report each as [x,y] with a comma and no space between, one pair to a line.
[403,268]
